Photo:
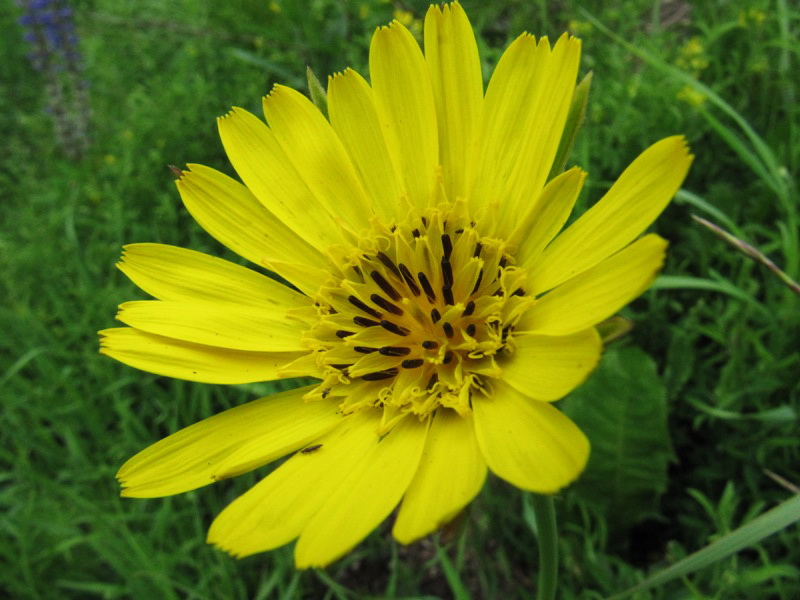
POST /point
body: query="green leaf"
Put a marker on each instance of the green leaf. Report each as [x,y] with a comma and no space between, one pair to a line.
[623,411]
[318,94]
[577,111]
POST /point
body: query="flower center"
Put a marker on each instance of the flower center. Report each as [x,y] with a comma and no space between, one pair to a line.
[417,316]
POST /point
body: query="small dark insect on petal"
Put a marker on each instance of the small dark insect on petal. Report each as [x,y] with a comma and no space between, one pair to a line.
[311,449]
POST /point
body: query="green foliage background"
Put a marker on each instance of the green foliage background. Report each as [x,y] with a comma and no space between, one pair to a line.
[688,414]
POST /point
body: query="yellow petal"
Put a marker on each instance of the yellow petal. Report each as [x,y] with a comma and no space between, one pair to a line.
[264,168]
[530,444]
[172,273]
[356,122]
[194,362]
[368,492]
[524,113]
[455,70]
[598,293]
[318,156]
[547,217]
[233,215]
[276,510]
[260,329]
[254,433]
[547,367]
[404,100]
[451,473]
[632,203]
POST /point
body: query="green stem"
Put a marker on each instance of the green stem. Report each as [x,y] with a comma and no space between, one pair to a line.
[545,512]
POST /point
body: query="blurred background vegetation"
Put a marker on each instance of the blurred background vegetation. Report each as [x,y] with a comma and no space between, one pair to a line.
[689,415]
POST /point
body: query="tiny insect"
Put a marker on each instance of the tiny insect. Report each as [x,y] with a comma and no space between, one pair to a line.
[311,449]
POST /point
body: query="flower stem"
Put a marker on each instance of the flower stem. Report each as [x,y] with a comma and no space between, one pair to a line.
[545,512]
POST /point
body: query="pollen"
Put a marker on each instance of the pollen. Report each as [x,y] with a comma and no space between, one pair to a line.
[417,316]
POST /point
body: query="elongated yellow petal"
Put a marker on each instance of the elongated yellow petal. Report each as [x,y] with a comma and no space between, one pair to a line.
[316,153]
[256,433]
[455,68]
[194,362]
[356,122]
[548,368]
[629,207]
[451,473]
[368,492]
[524,113]
[259,329]
[172,273]
[598,293]
[233,215]
[264,168]
[404,100]
[276,510]
[547,217]
[530,444]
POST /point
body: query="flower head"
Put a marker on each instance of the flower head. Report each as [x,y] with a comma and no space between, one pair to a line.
[433,298]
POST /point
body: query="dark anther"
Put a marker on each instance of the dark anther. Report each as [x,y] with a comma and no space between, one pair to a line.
[448,329]
[364,322]
[412,363]
[459,231]
[378,375]
[341,367]
[505,332]
[394,351]
[498,292]
[364,349]
[424,221]
[393,228]
[396,329]
[447,245]
[518,292]
[478,282]
[468,309]
[448,357]
[343,334]
[447,292]
[363,307]
[388,263]
[426,285]
[447,272]
[409,279]
[384,285]
[478,249]
[430,345]
[432,381]
[435,316]
[471,329]
[385,304]
[357,269]
[415,233]
[325,392]
[503,262]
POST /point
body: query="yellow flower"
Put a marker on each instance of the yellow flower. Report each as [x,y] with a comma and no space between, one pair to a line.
[434,299]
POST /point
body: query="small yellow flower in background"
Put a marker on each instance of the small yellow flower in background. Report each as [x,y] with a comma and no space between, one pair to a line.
[435,302]
[407,19]
[693,56]
[577,27]
[691,96]
[751,16]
